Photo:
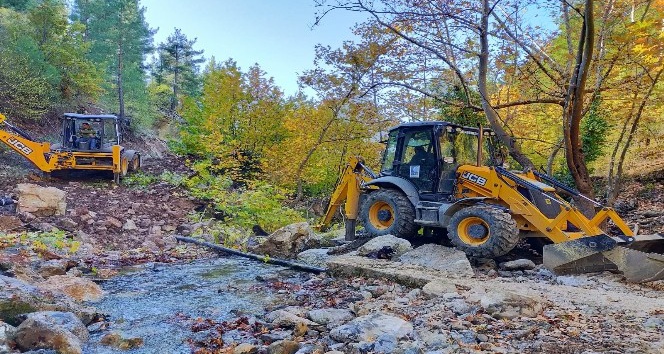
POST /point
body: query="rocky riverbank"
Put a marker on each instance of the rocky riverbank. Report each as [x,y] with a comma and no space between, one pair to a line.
[385,297]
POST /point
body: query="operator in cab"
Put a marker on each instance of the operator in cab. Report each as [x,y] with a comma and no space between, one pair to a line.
[86,133]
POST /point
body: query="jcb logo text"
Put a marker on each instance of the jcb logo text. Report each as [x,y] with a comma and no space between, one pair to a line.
[19,146]
[474,178]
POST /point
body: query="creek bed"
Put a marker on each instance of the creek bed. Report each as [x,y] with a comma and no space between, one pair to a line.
[151,302]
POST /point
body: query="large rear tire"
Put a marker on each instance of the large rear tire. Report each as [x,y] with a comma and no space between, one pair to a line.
[135,163]
[483,231]
[388,212]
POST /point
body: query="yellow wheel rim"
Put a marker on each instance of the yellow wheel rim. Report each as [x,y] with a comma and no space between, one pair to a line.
[381,215]
[472,238]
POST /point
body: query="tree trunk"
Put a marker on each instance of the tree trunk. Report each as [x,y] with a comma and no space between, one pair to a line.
[573,111]
[617,180]
[174,99]
[491,114]
[121,102]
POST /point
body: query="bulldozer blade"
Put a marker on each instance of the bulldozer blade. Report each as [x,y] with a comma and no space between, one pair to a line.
[640,260]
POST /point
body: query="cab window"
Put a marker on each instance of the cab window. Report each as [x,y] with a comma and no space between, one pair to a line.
[110,134]
[389,153]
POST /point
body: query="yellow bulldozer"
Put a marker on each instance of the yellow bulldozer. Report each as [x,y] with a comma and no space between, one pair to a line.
[87,142]
[441,176]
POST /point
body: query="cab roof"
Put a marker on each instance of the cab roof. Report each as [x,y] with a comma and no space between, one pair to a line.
[89,116]
[436,124]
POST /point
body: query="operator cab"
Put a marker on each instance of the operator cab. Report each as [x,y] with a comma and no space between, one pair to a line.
[83,132]
[428,154]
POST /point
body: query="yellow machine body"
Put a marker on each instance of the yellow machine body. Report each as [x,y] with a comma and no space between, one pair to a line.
[116,159]
[485,208]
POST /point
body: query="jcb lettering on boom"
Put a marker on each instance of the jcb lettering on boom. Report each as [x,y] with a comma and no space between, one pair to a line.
[20,146]
[474,178]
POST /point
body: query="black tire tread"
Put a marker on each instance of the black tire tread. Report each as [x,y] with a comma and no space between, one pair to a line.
[503,229]
[404,221]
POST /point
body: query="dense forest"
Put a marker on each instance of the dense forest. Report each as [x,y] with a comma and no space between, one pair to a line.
[579,98]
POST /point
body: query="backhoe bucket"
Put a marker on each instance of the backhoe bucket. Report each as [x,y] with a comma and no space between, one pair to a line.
[641,260]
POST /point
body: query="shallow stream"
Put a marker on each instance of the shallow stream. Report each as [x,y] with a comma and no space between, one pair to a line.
[150,302]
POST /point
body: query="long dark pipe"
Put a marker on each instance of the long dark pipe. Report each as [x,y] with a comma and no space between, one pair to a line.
[277,261]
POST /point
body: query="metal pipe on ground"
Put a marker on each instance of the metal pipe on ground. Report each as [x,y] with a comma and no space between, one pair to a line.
[277,261]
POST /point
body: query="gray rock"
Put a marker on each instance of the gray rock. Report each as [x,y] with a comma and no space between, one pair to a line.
[284,318]
[316,257]
[509,305]
[519,264]
[7,332]
[61,331]
[121,341]
[18,297]
[283,347]
[398,245]
[573,280]
[68,224]
[465,337]
[129,225]
[331,316]
[437,288]
[459,306]
[434,340]
[275,336]
[654,322]
[386,343]
[441,258]
[288,241]
[245,348]
[369,327]
[53,267]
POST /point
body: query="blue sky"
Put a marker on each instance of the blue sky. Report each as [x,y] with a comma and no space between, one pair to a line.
[278,35]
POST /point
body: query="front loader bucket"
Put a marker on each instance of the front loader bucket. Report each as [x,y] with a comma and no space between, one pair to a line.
[640,261]
[582,255]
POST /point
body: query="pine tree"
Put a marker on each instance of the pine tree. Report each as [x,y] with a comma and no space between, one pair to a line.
[178,62]
[120,39]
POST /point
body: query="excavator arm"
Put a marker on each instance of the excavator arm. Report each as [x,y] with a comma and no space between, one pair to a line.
[349,188]
[24,145]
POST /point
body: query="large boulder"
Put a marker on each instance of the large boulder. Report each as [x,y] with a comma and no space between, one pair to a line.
[446,259]
[397,246]
[288,241]
[508,304]
[41,201]
[18,297]
[79,289]
[316,257]
[368,328]
[61,331]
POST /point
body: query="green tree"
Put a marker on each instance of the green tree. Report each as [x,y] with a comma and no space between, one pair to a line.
[26,79]
[120,41]
[63,45]
[178,64]
[18,5]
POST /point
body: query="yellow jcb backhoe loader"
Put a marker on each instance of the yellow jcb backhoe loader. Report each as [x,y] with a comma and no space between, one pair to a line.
[88,142]
[438,175]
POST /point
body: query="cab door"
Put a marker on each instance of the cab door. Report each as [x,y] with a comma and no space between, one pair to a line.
[417,162]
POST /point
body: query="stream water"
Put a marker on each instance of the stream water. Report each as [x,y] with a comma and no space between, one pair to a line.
[148,302]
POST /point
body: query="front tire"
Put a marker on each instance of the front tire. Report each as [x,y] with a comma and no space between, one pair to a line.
[483,231]
[388,212]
